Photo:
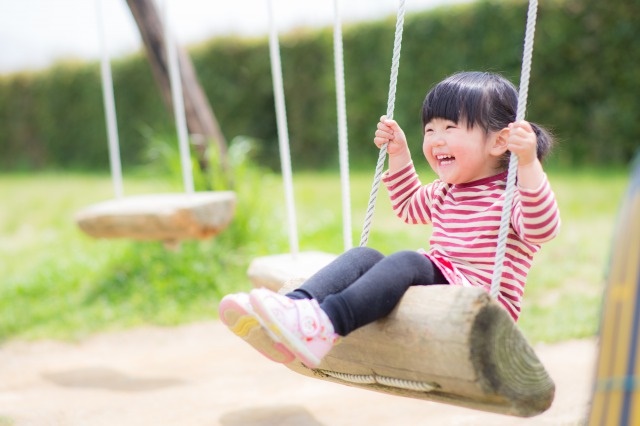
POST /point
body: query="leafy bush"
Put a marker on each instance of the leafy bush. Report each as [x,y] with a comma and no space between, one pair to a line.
[583,87]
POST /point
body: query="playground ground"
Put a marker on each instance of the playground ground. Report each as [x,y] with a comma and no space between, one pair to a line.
[201,374]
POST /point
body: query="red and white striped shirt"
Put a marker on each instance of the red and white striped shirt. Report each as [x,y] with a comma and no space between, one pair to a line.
[466,221]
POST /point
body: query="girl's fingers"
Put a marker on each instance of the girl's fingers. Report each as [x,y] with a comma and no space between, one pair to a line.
[381,140]
[384,132]
[383,135]
[521,125]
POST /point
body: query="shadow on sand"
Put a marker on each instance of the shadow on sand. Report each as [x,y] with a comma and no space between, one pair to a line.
[106,378]
[286,415]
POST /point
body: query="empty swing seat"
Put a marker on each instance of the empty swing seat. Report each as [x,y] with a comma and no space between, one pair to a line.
[273,271]
[163,217]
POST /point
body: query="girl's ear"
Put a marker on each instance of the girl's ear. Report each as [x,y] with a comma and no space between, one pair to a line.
[500,142]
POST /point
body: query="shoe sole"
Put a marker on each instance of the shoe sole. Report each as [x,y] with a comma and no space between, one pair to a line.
[246,326]
[289,340]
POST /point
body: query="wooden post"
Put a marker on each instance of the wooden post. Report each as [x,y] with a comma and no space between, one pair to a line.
[201,121]
[616,392]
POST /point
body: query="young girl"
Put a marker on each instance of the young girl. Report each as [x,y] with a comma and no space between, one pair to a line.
[469,134]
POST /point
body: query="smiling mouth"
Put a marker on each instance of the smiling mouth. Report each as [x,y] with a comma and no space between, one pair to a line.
[445,159]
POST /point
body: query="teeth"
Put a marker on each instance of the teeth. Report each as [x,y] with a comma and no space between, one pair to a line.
[444,157]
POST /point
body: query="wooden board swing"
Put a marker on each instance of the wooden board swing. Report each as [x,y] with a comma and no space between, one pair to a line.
[447,344]
[273,271]
[172,217]
[163,217]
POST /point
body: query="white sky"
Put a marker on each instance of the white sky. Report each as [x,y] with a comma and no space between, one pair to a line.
[34,33]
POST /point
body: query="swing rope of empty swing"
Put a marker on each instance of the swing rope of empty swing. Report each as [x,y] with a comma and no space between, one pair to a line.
[283,133]
[509,191]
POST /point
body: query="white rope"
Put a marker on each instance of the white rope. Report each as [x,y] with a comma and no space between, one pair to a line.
[342,127]
[395,64]
[283,133]
[178,103]
[405,384]
[513,161]
[109,106]
[361,379]
[370,379]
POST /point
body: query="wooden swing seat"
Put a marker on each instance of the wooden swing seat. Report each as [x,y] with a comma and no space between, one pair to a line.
[273,271]
[163,217]
[442,343]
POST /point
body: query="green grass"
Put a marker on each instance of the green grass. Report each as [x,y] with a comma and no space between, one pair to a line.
[59,283]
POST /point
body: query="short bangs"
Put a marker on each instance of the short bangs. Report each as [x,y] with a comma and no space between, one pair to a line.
[473,98]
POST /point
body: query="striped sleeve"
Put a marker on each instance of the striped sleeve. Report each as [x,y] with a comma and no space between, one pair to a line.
[409,199]
[536,217]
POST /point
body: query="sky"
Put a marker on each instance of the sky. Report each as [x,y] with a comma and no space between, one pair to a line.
[36,33]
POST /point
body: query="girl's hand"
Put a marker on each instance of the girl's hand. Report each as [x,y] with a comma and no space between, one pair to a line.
[389,132]
[522,141]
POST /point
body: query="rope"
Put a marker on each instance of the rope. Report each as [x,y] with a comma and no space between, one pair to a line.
[178,103]
[109,106]
[405,384]
[178,106]
[361,379]
[371,379]
[505,219]
[283,133]
[342,127]
[395,64]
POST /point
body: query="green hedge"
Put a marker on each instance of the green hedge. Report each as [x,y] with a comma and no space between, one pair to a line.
[583,87]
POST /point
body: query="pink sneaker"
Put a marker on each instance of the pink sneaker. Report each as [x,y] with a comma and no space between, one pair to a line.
[300,325]
[237,314]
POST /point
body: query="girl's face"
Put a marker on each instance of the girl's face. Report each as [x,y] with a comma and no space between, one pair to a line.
[458,154]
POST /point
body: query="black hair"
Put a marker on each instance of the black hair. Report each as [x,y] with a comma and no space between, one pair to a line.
[480,98]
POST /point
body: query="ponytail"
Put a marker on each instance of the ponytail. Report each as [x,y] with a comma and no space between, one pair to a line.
[545,141]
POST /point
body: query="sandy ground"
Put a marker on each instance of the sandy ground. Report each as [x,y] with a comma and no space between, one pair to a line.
[201,374]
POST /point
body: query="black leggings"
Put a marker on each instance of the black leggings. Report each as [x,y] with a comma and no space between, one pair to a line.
[362,285]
